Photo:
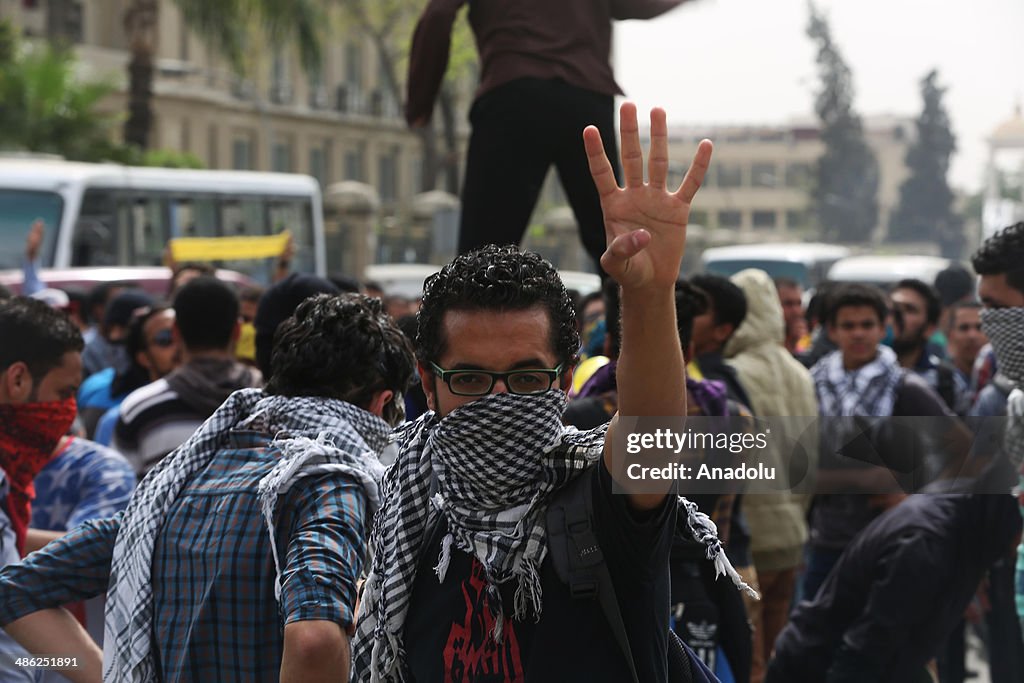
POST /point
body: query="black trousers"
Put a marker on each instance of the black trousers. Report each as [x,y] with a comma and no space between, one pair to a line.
[520,129]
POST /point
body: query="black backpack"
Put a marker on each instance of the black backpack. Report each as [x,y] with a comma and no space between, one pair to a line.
[578,561]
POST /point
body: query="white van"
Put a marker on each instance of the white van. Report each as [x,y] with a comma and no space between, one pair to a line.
[805,262]
[888,269]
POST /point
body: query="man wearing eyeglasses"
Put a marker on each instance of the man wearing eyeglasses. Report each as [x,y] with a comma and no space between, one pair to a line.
[462,585]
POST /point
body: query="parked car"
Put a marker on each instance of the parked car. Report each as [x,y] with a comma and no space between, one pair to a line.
[154,279]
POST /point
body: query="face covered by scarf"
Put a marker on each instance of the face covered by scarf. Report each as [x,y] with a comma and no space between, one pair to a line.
[28,434]
[497,462]
[1005,330]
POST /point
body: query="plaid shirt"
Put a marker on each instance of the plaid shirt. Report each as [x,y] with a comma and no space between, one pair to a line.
[216,618]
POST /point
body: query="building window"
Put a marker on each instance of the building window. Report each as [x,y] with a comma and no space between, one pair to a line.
[762,175]
[730,175]
[281,157]
[698,218]
[355,163]
[387,175]
[318,165]
[798,175]
[351,91]
[317,90]
[280,80]
[213,145]
[242,153]
[416,173]
[730,219]
[796,219]
[764,219]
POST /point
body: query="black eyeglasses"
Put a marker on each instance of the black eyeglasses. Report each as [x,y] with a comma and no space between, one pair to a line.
[481,382]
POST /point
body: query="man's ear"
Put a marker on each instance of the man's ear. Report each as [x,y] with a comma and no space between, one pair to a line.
[722,332]
[379,400]
[427,378]
[16,383]
[142,359]
[565,380]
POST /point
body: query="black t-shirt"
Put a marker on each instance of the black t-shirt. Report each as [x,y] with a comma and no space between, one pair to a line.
[448,629]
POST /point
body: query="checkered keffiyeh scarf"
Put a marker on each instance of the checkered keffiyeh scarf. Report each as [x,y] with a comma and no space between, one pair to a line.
[314,435]
[497,462]
[868,391]
[1005,330]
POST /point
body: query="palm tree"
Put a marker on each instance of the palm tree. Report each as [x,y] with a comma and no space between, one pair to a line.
[227,26]
[44,107]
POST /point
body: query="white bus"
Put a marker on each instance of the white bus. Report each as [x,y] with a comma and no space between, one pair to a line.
[113,215]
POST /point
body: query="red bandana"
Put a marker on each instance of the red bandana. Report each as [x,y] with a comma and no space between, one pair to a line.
[28,434]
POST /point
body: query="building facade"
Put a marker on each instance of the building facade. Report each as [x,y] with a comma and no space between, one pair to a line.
[758,186]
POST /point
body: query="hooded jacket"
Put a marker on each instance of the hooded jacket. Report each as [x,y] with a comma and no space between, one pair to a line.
[778,386]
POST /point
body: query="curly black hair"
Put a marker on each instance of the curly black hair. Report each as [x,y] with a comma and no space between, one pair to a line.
[36,335]
[496,278]
[1002,253]
[343,347]
[854,294]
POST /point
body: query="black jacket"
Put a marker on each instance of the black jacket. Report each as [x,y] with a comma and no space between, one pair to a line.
[897,591]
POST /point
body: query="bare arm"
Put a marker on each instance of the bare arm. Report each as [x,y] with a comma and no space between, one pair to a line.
[645,228]
[428,59]
[55,632]
[37,538]
[314,652]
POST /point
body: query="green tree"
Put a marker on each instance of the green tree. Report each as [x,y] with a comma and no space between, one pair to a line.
[845,188]
[44,107]
[925,211]
[389,24]
[232,28]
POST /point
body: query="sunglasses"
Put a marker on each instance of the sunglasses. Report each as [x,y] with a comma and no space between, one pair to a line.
[163,339]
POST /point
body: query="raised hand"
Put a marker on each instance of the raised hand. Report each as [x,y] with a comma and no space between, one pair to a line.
[34,239]
[645,223]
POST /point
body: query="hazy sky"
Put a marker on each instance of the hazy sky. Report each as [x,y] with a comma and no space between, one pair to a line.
[750,61]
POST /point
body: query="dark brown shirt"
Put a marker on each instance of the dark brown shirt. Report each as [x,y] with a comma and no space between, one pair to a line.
[552,39]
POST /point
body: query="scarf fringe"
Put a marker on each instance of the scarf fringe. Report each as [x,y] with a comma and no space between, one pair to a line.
[444,558]
[528,596]
[704,530]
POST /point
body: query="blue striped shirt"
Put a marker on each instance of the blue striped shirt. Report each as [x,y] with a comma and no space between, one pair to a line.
[215,614]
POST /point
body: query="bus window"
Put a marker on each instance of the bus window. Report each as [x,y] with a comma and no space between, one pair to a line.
[194,217]
[148,216]
[96,240]
[18,210]
[296,216]
[243,217]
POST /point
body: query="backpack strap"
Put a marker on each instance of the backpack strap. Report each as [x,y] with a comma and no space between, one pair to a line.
[577,557]
[946,385]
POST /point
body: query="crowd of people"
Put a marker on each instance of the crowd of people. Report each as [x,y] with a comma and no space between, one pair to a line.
[309,483]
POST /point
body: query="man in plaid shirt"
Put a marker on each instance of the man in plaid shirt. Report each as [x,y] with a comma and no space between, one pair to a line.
[237,558]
